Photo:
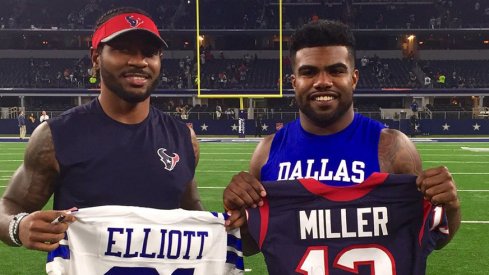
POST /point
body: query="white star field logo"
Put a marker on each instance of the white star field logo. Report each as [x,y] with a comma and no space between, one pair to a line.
[204,127]
[264,127]
[476,127]
[234,127]
[445,127]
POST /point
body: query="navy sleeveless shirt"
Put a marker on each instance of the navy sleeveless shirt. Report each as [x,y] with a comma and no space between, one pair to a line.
[341,159]
[105,162]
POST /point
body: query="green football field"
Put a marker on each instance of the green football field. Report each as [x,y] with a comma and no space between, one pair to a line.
[468,253]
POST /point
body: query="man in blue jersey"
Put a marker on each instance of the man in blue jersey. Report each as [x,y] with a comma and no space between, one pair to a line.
[115,150]
[329,141]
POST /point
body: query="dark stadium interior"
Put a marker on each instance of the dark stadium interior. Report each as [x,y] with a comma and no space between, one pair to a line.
[45,48]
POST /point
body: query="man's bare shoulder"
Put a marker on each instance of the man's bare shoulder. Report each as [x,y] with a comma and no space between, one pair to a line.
[40,149]
[397,153]
[260,155]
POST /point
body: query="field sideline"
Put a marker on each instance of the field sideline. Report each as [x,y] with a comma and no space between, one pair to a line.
[468,162]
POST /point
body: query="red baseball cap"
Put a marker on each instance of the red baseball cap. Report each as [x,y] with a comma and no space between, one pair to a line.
[123,23]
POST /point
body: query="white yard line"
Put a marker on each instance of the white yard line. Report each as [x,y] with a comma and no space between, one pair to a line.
[452,155]
[475,149]
[246,160]
[438,149]
[483,173]
[219,171]
[231,153]
[456,161]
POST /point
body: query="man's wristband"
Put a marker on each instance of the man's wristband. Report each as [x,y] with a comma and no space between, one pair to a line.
[13,228]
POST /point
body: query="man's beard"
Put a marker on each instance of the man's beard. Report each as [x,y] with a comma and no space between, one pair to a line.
[322,120]
[111,82]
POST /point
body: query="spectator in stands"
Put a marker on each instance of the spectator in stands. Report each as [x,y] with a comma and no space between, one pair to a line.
[286,63]
[432,22]
[229,112]
[364,61]
[414,106]
[441,80]
[427,82]
[323,62]
[223,79]
[32,118]
[460,82]
[32,123]
[22,126]
[314,17]
[413,121]
[44,116]
[413,80]
[218,111]
[182,111]
[453,81]
[379,22]
[258,128]
[110,151]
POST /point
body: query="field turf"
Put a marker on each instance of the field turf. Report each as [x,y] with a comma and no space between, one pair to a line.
[468,252]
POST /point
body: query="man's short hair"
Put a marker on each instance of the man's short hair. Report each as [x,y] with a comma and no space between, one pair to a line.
[322,33]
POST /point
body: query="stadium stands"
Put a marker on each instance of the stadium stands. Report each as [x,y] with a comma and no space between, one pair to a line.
[251,14]
[239,36]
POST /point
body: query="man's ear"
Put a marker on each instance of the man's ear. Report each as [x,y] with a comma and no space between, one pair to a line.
[292,80]
[354,77]
[95,56]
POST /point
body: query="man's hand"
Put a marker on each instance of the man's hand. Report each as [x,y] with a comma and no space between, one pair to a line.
[438,187]
[242,192]
[40,231]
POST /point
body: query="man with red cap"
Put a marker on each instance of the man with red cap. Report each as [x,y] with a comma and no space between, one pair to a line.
[115,150]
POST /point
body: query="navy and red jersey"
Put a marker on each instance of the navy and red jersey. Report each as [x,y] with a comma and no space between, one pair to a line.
[381,226]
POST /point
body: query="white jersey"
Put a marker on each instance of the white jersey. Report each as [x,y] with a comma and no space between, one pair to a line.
[135,240]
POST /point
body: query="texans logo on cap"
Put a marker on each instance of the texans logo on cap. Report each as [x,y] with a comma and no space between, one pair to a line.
[122,23]
[133,21]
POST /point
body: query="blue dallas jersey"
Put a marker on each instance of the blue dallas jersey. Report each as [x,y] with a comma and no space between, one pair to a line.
[117,240]
[344,158]
[382,226]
